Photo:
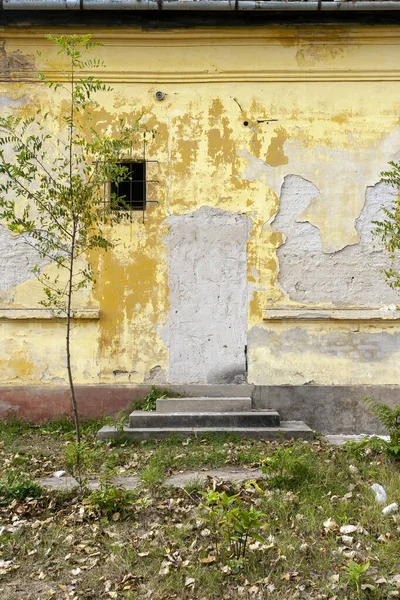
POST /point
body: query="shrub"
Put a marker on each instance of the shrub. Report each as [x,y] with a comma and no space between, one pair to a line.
[109,500]
[390,418]
[230,519]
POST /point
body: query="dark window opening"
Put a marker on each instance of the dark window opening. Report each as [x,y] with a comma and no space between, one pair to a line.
[131,192]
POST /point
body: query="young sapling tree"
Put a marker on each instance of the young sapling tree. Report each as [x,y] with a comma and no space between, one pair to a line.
[54,182]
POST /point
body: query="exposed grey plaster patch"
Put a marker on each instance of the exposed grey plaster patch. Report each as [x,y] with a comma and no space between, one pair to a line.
[259,170]
[356,345]
[47,377]
[8,102]
[208,296]
[17,260]
[353,275]
[155,375]
[340,174]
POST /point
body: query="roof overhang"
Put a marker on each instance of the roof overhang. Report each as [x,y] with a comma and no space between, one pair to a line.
[201,5]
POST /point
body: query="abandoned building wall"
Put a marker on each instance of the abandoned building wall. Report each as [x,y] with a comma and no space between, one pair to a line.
[269,146]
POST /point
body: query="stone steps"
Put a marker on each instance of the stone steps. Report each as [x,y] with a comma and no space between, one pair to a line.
[286,430]
[195,420]
[198,416]
[202,404]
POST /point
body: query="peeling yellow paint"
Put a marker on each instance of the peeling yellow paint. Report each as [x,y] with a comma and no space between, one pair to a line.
[308,85]
[275,153]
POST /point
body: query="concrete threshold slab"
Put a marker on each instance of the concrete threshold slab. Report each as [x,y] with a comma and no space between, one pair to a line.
[340,439]
[234,475]
[178,480]
[69,483]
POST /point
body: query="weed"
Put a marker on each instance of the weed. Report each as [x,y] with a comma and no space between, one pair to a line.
[228,516]
[153,475]
[355,574]
[289,467]
[149,403]
[110,500]
[390,418]
[364,447]
[18,488]
[194,486]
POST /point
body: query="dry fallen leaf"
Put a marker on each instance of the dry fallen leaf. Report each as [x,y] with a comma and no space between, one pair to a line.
[207,560]
[348,529]
[330,524]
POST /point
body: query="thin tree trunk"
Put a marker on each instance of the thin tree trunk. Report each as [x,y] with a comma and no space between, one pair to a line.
[71,273]
[68,339]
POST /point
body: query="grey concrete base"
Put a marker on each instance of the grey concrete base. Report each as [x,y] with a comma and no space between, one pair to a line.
[195,420]
[339,440]
[206,405]
[328,409]
[287,429]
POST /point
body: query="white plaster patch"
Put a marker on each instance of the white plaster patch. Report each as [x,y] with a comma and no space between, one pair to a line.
[17,260]
[208,296]
[352,276]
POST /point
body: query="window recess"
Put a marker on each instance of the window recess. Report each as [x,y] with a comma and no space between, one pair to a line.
[131,194]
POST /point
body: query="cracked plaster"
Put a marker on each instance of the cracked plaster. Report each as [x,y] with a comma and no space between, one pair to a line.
[339,176]
[17,260]
[352,276]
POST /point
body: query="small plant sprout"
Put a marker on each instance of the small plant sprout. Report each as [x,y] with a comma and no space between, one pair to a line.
[355,574]
[79,458]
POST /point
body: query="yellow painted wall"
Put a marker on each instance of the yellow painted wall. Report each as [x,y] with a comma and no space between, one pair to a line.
[321,103]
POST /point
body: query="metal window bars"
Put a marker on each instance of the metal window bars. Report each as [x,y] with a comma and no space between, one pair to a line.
[131,159]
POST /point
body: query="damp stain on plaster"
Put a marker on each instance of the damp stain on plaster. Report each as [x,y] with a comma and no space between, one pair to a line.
[353,345]
[131,295]
[15,64]
[314,54]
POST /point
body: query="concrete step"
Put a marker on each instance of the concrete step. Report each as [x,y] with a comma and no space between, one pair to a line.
[252,418]
[287,430]
[203,405]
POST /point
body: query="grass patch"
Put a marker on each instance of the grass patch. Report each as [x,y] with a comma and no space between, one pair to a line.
[159,543]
